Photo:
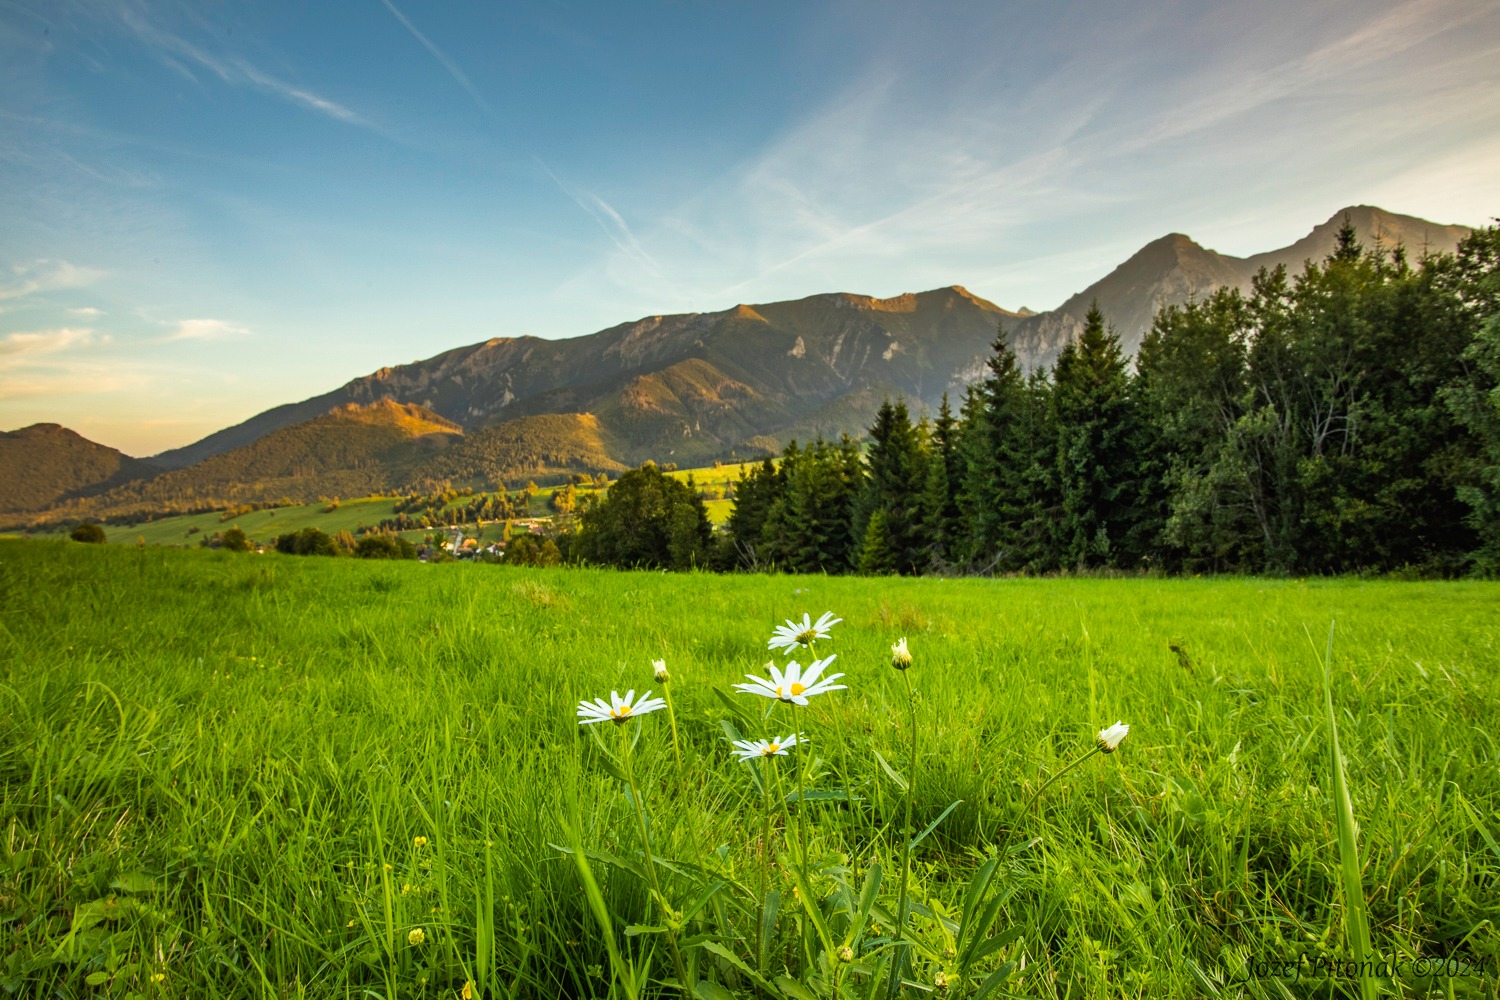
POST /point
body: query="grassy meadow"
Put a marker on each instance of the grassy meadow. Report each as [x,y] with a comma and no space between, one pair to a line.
[187,530]
[262,776]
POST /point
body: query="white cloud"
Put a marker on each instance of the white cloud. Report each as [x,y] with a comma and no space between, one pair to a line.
[31,342]
[88,312]
[46,276]
[205,329]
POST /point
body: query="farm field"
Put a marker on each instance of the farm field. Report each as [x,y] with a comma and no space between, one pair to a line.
[254,775]
[186,530]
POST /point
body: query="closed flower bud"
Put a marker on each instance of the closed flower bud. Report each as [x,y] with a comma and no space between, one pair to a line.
[661,670]
[940,982]
[846,954]
[1110,738]
[900,655]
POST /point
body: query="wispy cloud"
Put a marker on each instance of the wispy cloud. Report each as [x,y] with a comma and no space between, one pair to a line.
[85,379]
[447,63]
[178,53]
[45,276]
[205,329]
[33,342]
[980,161]
[610,221]
[88,312]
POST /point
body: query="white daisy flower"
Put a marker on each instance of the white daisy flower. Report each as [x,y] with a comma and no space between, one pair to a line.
[1110,738]
[660,666]
[617,709]
[774,747]
[900,655]
[804,633]
[793,685]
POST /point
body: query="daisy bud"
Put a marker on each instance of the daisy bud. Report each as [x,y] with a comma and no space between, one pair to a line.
[900,655]
[661,670]
[940,982]
[846,954]
[1110,738]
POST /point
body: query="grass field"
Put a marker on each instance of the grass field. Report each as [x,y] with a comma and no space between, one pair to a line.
[269,776]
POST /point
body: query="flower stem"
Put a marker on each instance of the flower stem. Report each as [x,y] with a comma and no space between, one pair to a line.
[1038,794]
[801,801]
[911,788]
[666,689]
[765,868]
[640,815]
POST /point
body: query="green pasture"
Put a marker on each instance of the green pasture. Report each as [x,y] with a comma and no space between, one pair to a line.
[351,515]
[268,776]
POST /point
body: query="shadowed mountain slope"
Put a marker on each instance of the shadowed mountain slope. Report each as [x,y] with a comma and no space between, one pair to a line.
[47,464]
[351,450]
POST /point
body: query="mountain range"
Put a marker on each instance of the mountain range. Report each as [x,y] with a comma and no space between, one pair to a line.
[687,388]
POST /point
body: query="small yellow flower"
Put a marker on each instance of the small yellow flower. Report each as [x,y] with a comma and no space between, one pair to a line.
[468,991]
[419,841]
[388,867]
[350,923]
[940,982]
[159,977]
[416,936]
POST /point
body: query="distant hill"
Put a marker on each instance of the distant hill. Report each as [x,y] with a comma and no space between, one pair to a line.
[44,465]
[352,450]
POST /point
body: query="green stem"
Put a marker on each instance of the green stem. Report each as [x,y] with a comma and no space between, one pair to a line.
[1059,774]
[911,788]
[765,868]
[666,690]
[640,815]
[801,801]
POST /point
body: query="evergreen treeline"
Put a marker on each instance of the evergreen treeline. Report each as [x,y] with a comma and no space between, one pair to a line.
[1347,419]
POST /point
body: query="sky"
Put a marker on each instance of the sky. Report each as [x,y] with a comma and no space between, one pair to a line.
[210,208]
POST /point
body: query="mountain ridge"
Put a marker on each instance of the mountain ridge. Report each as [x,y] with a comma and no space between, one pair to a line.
[694,387]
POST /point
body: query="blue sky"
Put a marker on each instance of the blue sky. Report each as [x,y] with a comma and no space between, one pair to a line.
[211,208]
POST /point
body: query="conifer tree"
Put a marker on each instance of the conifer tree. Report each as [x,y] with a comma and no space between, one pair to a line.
[1095,468]
[897,468]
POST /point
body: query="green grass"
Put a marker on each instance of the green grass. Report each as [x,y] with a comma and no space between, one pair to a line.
[208,761]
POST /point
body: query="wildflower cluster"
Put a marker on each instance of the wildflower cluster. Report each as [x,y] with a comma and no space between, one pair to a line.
[791,687]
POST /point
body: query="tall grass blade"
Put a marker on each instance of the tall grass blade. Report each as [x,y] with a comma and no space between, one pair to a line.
[1357,925]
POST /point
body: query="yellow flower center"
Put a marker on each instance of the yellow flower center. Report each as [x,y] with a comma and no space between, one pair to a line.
[619,713]
[798,689]
[771,748]
[808,637]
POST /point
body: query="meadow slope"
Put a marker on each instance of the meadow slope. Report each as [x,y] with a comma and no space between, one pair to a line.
[241,775]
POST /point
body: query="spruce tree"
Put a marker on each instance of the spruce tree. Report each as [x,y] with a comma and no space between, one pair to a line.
[1095,466]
